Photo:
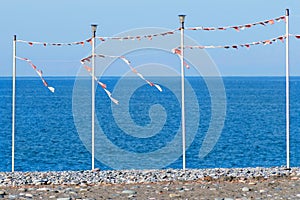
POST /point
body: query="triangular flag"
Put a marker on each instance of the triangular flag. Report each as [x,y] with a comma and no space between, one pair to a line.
[271,21]
[52,89]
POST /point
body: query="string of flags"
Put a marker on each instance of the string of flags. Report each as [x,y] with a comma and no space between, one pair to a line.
[39,73]
[86,60]
[138,37]
[236,46]
[178,52]
[239,27]
[31,43]
[151,36]
[103,86]
[102,39]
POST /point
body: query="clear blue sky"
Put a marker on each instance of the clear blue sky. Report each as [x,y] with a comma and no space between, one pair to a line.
[69,20]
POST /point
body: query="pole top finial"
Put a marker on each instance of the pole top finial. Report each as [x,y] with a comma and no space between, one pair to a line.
[94,27]
[287,12]
[181,18]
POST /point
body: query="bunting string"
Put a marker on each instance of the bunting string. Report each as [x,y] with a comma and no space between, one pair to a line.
[177,51]
[151,36]
[39,73]
[138,37]
[103,86]
[236,46]
[102,39]
[240,27]
[31,43]
[127,62]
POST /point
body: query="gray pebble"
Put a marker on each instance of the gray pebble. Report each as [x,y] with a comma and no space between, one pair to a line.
[245,189]
[29,195]
[12,196]
[43,189]
[128,192]
[174,195]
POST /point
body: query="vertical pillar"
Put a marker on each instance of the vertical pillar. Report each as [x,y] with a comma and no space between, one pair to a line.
[94,28]
[13,105]
[181,18]
[287,74]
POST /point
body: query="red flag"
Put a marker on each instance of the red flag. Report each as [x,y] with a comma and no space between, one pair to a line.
[281,38]
[271,21]
[89,40]
[89,69]
[236,28]
[186,65]
[297,36]
[267,42]
[33,66]
[102,85]
[177,51]
[134,70]
[45,83]
[151,84]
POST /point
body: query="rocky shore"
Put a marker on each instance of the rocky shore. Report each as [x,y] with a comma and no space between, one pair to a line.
[234,183]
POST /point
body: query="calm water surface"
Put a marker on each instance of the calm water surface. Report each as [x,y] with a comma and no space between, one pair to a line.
[253,133]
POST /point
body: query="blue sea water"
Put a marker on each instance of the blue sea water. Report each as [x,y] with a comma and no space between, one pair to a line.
[47,137]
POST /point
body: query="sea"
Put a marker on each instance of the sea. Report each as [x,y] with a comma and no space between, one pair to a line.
[239,122]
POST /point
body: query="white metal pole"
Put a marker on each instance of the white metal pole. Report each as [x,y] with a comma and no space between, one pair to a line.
[181,17]
[94,27]
[13,105]
[287,74]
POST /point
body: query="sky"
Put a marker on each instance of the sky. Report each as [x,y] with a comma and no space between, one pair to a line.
[69,20]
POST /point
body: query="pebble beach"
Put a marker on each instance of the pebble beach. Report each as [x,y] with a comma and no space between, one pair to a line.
[217,184]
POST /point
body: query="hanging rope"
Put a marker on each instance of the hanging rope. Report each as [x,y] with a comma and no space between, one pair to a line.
[236,46]
[240,27]
[39,73]
[31,43]
[102,39]
[128,63]
[138,37]
[103,86]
